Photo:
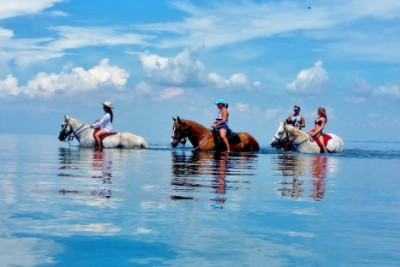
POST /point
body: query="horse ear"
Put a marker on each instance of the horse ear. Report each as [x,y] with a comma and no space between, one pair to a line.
[179,119]
[66,117]
[173,118]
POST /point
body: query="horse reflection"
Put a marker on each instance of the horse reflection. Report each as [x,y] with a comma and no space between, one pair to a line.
[74,163]
[299,168]
[193,172]
[293,167]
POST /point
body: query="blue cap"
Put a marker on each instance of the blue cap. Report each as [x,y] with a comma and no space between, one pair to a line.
[220,101]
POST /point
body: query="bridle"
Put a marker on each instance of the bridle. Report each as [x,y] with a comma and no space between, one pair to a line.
[284,140]
[70,135]
[182,135]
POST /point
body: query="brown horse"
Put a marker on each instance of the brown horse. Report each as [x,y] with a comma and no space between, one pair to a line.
[203,139]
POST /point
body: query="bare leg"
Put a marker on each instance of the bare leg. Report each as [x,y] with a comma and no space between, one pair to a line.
[97,137]
[222,133]
[321,140]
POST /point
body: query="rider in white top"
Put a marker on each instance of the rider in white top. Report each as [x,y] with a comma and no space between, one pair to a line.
[296,119]
[104,123]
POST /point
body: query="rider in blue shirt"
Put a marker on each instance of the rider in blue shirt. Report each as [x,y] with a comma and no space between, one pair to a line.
[221,121]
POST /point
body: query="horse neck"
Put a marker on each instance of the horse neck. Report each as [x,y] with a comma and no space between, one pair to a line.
[197,132]
[75,124]
[81,128]
[298,134]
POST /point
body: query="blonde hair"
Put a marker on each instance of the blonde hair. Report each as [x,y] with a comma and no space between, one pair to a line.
[323,112]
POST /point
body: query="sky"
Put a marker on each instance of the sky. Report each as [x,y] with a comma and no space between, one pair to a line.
[157,59]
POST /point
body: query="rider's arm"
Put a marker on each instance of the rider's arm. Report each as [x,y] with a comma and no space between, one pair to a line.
[98,124]
[320,128]
[302,122]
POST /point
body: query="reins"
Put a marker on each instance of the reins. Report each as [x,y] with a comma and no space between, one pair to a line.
[186,134]
[280,140]
[74,134]
[204,140]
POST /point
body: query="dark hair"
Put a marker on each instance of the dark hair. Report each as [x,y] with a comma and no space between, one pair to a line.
[109,110]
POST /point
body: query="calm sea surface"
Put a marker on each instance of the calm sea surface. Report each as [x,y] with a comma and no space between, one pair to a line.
[67,206]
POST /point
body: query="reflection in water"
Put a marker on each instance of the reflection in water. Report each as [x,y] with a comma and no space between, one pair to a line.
[219,182]
[193,171]
[298,168]
[74,163]
[319,166]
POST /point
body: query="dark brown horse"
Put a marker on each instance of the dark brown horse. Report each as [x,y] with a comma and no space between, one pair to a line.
[203,138]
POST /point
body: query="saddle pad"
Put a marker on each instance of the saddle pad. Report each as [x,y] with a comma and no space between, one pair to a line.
[104,135]
[233,138]
[327,137]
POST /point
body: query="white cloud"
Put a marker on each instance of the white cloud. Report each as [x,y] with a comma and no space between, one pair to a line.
[272,114]
[310,81]
[79,79]
[9,86]
[218,24]
[170,92]
[356,99]
[241,107]
[186,70]
[144,88]
[29,50]
[76,37]
[6,34]
[391,91]
[10,9]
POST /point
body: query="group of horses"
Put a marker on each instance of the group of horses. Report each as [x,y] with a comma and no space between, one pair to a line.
[202,138]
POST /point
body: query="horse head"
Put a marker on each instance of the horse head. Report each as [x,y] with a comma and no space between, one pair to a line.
[179,132]
[66,129]
[281,136]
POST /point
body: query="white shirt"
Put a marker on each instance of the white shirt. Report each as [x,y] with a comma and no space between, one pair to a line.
[104,123]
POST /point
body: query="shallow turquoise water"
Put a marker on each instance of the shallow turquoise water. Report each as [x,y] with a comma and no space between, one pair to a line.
[66,206]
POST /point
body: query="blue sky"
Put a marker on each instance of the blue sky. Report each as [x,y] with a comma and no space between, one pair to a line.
[158,59]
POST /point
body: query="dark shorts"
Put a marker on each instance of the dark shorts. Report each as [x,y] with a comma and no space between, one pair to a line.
[223,126]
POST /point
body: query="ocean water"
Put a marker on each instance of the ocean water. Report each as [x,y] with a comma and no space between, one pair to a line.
[66,206]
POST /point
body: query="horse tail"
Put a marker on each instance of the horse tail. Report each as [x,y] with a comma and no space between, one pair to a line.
[144,144]
[253,144]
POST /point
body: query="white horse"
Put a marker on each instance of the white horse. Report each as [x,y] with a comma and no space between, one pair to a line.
[73,128]
[303,142]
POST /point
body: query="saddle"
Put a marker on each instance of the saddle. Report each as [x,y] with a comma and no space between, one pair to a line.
[327,137]
[104,135]
[233,138]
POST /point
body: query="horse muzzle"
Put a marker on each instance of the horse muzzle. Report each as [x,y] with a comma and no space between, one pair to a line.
[174,142]
[61,136]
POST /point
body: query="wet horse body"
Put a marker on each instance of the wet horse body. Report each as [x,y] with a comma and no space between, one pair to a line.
[203,139]
[303,142]
[74,128]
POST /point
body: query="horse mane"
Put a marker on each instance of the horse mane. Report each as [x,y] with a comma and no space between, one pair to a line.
[194,124]
[77,120]
[296,132]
